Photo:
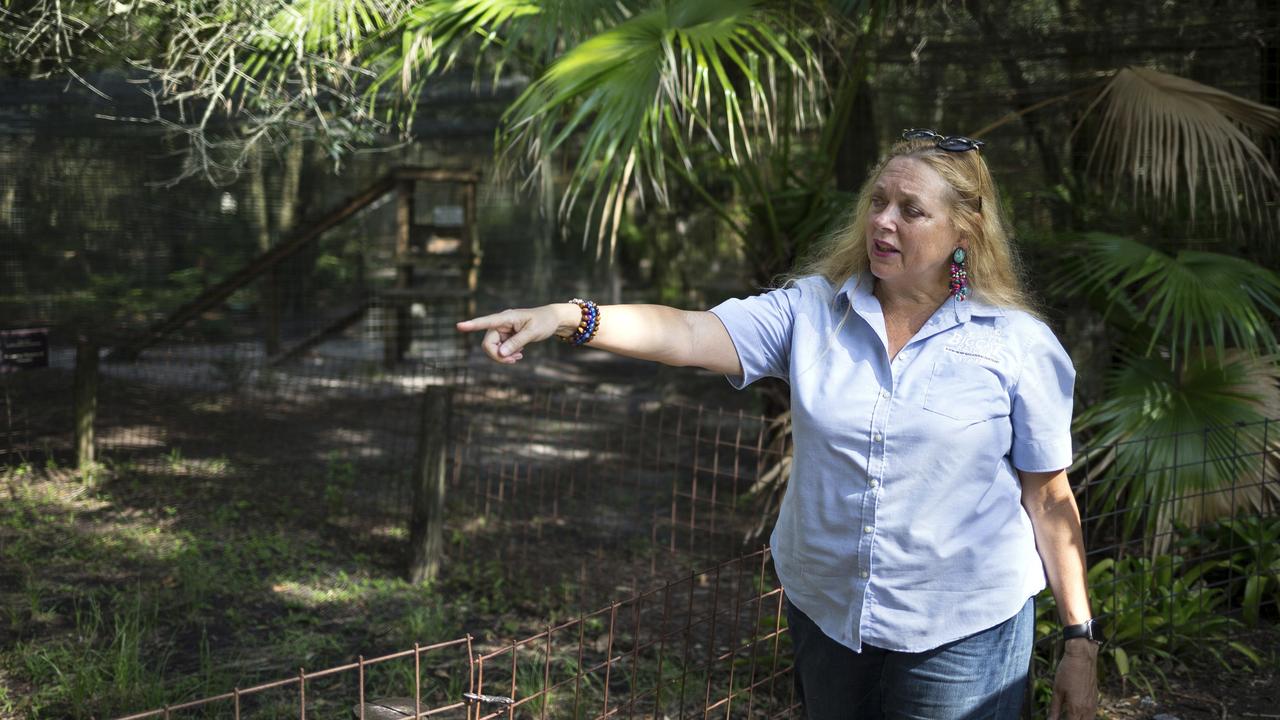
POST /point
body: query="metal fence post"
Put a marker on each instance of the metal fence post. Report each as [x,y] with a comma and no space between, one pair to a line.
[86,401]
[426,526]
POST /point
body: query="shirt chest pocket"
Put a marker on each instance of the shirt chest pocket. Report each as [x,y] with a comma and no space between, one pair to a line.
[966,392]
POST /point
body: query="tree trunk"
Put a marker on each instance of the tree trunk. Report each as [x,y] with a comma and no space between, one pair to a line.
[286,289]
[268,289]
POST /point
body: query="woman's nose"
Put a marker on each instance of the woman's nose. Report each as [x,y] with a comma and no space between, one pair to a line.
[882,218]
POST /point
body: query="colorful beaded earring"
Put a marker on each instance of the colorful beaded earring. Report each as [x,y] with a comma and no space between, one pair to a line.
[959,275]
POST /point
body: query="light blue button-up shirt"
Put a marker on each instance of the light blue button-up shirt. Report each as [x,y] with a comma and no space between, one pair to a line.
[902,525]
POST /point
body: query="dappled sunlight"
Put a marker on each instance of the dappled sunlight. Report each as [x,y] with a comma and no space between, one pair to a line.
[312,595]
[133,437]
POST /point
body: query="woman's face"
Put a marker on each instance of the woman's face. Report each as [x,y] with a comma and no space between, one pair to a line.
[910,237]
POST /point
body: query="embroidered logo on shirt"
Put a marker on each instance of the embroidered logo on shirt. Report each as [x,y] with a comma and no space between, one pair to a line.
[986,343]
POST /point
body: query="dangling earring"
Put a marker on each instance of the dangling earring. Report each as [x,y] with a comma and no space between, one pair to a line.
[959,275]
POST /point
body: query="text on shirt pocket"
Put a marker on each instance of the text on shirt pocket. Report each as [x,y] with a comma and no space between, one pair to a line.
[965,391]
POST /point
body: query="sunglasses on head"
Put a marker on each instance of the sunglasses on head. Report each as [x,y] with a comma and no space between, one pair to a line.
[950,143]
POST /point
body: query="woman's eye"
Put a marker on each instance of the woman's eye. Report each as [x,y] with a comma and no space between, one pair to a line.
[877,202]
[912,211]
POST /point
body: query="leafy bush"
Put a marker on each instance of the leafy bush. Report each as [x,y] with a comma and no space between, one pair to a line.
[1249,550]
[1156,612]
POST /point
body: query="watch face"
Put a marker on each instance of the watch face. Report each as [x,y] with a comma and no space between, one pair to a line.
[1093,631]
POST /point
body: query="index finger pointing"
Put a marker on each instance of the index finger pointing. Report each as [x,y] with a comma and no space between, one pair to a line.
[484,322]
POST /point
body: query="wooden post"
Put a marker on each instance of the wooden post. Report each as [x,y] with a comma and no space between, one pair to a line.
[86,401]
[426,526]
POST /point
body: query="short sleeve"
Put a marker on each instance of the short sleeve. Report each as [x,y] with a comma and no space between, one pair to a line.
[760,328]
[1042,398]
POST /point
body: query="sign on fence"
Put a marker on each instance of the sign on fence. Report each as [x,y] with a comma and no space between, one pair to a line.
[24,349]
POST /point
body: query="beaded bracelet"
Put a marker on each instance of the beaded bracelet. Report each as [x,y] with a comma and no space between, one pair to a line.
[589,324]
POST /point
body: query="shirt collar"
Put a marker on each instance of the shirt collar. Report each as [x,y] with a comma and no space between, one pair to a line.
[858,290]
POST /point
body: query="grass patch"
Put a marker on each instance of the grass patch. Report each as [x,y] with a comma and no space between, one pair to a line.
[169,581]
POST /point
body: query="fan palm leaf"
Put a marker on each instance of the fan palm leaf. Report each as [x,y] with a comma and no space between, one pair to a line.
[1192,300]
[1169,135]
[1189,445]
[632,96]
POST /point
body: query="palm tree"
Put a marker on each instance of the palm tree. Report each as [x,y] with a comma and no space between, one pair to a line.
[1182,434]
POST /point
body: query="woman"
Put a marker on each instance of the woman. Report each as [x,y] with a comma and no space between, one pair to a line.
[928,500]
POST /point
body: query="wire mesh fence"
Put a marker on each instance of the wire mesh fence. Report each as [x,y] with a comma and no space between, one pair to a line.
[673,477]
[712,643]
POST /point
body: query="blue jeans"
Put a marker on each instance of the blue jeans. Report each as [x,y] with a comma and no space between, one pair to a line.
[980,677]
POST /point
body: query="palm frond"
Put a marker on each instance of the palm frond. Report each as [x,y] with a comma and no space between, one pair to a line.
[636,94]
[1189,445]
[434,34]
[1168,136]
[1194,300]
[294,42]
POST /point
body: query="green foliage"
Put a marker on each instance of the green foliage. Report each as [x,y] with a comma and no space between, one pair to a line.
[632,96]
[1189,302]
[1157,612]
[1182,430]
[1249,550]
[1173,443]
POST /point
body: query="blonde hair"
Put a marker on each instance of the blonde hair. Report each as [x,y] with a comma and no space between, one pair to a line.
[995,274]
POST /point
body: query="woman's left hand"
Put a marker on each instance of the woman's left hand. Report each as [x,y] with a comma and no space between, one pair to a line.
[1075,687]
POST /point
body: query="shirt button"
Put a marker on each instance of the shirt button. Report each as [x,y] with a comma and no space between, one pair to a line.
[867,528]
[874,483]
[884,394]
[877,437]
[864,574]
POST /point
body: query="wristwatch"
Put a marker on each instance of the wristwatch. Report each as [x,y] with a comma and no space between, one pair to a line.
[1090,629]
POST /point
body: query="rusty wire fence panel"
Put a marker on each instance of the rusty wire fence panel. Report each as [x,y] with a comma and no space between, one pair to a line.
[711,644]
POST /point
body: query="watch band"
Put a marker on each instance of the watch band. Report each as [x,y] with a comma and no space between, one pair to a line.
[1090,629]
